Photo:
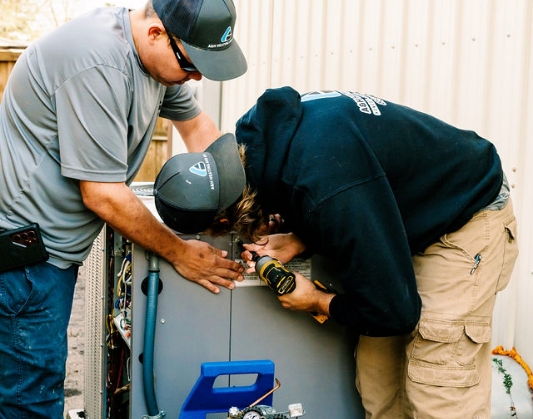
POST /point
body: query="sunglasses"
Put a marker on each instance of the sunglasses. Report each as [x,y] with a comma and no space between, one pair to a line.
[185,64]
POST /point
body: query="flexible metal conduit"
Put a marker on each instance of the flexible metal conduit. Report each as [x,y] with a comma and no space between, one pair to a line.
[149,338]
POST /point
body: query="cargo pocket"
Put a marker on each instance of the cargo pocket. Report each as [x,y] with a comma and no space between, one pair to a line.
[444,352]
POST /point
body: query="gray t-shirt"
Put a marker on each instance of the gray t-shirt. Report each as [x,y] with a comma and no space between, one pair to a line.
[78,106]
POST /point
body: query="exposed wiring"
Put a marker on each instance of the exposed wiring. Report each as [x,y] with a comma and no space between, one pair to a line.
[123,294]
[118,326]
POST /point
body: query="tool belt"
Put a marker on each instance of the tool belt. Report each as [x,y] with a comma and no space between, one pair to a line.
[21,247]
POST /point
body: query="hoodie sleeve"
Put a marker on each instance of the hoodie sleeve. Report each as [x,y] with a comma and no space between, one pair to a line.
[371,252]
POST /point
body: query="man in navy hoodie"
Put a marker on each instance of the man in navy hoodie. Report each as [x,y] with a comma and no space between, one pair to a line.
[417,219]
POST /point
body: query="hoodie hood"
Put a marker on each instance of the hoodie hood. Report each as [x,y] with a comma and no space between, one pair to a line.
[267,130]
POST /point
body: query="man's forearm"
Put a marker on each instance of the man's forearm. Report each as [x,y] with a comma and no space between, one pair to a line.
[195,260]
[198,133]
[126,214]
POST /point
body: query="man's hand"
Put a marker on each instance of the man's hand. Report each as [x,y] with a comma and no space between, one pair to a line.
[206,265]
[283,247]
[306,297]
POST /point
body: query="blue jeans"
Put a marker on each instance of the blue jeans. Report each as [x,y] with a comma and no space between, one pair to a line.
[35,306]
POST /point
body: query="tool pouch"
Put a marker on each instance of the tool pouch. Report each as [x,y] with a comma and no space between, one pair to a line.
[21,247]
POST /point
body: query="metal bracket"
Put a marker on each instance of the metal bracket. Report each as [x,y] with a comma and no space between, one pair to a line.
[160,415]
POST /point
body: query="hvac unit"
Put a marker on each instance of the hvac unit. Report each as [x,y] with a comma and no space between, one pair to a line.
[196,331]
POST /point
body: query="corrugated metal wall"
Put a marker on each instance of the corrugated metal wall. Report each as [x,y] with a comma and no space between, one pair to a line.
[468,62]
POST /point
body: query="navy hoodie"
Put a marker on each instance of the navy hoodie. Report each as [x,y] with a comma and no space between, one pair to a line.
[368,183]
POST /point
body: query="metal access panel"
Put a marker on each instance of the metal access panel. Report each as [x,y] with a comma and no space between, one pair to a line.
[314,362]
[193,326]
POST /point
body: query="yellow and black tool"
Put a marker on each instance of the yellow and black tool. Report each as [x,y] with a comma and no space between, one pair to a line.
[273,273]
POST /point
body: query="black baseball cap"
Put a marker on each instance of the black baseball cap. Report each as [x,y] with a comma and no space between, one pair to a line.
[192,188]
[205,28]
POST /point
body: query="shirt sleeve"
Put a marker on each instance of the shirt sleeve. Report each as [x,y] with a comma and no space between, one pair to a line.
[180,103]
[362,229]
[92,123]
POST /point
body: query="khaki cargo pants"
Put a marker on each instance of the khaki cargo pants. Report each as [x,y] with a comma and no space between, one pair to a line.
[443,369]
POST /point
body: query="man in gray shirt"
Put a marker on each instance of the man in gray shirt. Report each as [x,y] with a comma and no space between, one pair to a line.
[76,121]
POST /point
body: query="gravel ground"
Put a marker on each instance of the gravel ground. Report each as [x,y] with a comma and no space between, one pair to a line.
[76,344]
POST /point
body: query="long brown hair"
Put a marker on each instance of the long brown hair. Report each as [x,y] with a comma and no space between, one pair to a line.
[245,216]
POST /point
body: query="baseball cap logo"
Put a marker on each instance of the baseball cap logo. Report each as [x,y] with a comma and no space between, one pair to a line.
[198,169]
[227,35]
